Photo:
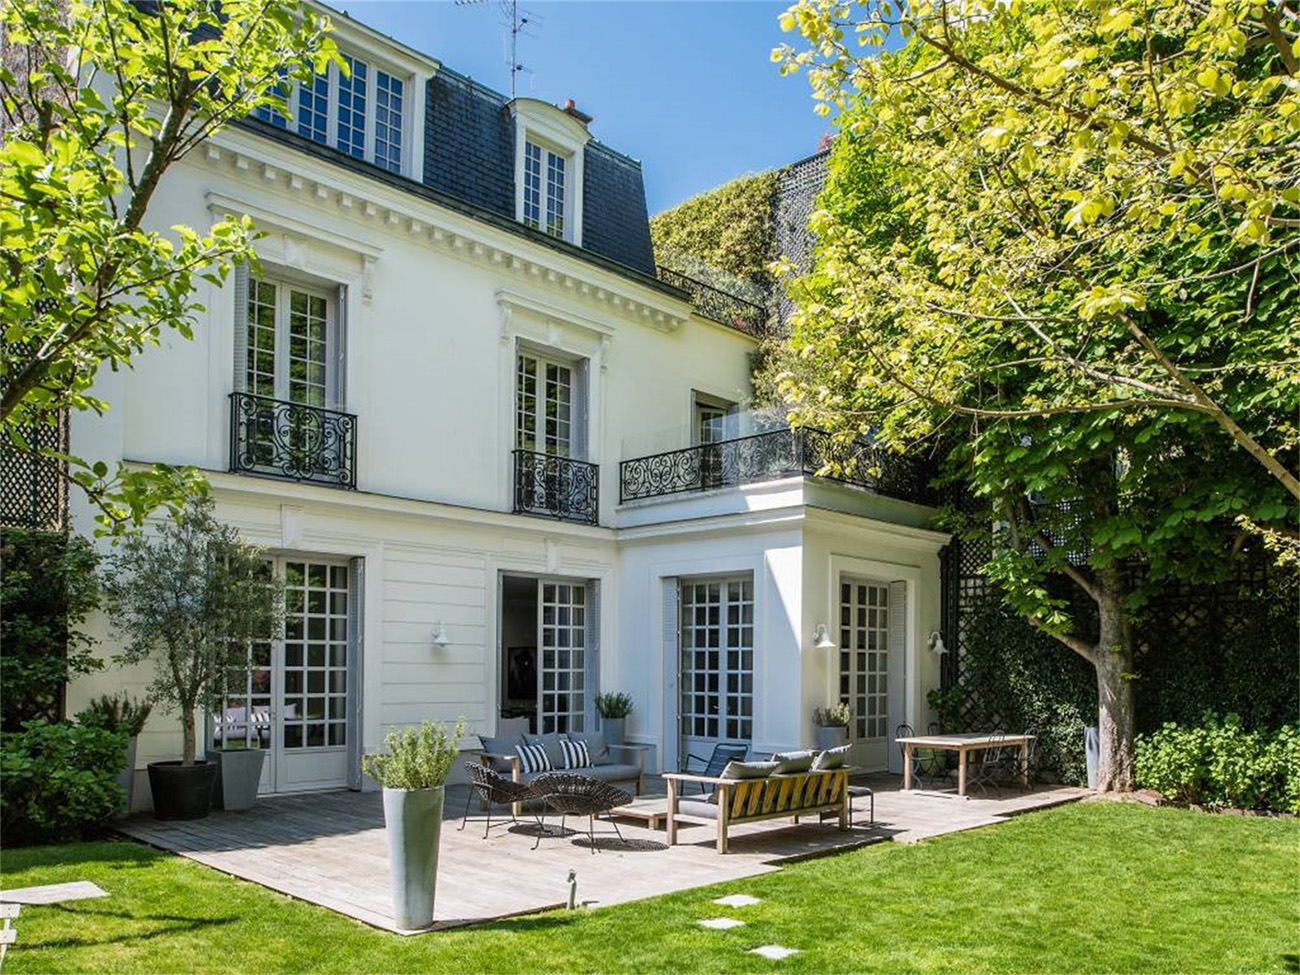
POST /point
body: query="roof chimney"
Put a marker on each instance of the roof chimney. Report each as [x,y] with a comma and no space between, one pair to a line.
[571,108]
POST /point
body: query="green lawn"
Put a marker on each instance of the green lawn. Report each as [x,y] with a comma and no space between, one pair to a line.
[1098,887]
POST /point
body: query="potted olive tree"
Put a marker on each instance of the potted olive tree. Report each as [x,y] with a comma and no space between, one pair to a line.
[413,773]
[613,710]
[192,596]
[126,717]
[832,725]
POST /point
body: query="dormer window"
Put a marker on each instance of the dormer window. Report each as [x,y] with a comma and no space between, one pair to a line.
[361,112]
[545,194]
[549,145]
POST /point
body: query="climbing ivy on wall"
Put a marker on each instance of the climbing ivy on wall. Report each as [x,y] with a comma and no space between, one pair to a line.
[729,228]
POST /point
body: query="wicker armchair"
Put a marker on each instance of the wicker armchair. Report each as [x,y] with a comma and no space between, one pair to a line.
[494,789]
[577,795]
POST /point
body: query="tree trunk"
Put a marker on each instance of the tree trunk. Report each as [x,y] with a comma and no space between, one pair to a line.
[191,742]
[1115,698]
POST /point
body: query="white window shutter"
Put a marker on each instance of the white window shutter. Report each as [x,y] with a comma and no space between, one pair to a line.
[356,644]
[592,675]
[897,647]
[338,387]
[672,671]
[241,327]
[582,378]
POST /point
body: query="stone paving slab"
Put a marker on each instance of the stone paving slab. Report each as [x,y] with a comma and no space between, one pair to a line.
[78,890]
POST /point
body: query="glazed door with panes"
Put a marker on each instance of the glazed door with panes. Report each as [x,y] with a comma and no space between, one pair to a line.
[294,699]
[289,356]
[544,417]
[864,668]
[564,656]
[716,674]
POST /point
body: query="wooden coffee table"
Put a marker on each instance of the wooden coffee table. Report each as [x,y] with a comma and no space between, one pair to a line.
[650,810]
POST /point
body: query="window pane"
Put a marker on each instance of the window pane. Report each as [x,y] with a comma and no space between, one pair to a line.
[388,121]
[533,184]
[555,194]
[313,107]
[352,108]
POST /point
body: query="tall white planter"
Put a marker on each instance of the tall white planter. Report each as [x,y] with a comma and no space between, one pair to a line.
[126,777]
[413,821]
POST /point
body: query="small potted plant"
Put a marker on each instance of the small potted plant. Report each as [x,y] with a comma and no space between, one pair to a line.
[126,717]
[413,773]
[193,596]
[613,710]
[832,725]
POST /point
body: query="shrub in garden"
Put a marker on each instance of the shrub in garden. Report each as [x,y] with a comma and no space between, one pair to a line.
[1221,764]
[59,781]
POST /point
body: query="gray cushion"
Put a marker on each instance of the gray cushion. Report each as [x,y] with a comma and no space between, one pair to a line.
[831,758]
[551,743]
[704,809]
[499,746]
[596,747]
[790,762]
[748,770]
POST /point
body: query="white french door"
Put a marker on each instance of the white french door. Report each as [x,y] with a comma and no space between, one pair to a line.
[543,406]
[565,656]
[864,668]
[290,344]
[294,700]
[716,663]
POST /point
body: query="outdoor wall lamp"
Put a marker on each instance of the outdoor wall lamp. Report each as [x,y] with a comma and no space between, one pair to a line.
[440,636]
[936,644]
[822,638]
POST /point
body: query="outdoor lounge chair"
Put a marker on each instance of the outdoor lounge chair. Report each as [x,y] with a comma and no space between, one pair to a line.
[711,767]
[494,789]
[570,794]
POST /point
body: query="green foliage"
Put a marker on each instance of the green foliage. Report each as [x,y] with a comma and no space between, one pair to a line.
[950,705]
[116,713]
[193,596]
[614,705]
[730,228]
[835,716]
[416,758]
[100,99]
[1223,765]
[59,780]
[1016,677]
[47,587]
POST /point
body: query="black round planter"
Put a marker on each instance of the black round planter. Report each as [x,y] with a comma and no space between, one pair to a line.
[181,791]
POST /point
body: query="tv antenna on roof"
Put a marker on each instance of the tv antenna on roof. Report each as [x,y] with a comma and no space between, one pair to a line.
[516,21]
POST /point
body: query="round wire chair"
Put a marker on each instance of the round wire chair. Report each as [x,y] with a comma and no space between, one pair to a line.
[570,794]
[494,789]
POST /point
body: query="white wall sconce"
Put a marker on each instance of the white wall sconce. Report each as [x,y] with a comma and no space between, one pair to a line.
[936,644]
[440,636]
[822,638]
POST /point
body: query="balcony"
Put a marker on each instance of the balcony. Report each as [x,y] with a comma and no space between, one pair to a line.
[722,307]
[274,438]
[770,456]
[556,487]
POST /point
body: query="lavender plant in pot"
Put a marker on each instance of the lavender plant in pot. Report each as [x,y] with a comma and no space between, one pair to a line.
[193,597]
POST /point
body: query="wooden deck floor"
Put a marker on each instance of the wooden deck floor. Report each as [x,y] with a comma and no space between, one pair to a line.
[329,849]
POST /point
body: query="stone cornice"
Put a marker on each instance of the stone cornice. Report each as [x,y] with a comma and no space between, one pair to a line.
[328,189]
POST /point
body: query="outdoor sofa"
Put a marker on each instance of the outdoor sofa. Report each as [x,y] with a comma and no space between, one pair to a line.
[789,786]
[619,765]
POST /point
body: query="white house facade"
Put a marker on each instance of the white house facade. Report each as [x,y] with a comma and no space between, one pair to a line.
[502,466]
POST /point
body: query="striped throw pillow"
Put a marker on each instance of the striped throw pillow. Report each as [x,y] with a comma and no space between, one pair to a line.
[533,758]
[575,753]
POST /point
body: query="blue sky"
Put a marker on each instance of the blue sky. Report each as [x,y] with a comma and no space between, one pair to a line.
[687,86]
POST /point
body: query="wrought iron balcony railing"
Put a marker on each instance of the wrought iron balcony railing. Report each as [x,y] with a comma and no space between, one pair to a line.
[728,309]
[556,487]
[770,456]
[290,440]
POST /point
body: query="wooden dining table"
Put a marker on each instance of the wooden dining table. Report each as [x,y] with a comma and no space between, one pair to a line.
[963,745]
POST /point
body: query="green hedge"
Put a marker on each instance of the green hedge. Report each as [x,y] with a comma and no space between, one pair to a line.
[1222,764]
[730,228]
[60,780]
[1017,678]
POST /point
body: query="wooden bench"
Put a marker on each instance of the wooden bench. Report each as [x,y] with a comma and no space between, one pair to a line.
[752,800]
